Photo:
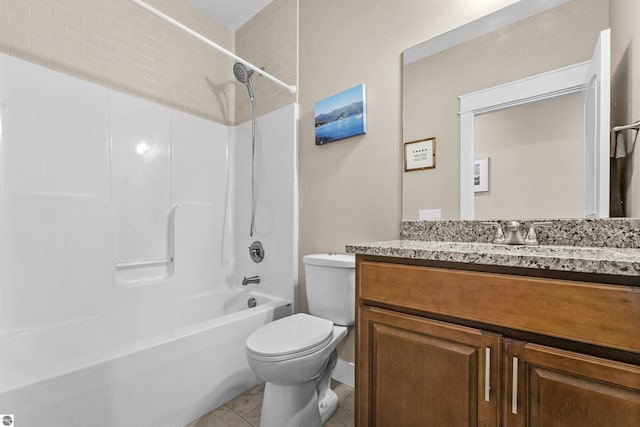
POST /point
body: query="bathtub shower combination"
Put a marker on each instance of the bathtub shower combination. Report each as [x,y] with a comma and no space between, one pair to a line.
[99,372]
[123,243]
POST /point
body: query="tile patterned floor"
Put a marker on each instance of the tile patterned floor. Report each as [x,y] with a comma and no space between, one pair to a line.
[244,410]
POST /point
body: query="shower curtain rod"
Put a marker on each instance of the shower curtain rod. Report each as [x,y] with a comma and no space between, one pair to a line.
[291,88]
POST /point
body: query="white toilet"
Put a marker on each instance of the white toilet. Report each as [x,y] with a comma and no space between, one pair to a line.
[296,355]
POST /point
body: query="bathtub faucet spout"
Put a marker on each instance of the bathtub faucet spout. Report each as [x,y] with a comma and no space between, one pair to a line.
[252,279]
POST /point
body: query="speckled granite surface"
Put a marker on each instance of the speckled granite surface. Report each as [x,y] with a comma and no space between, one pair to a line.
[617,261]
[604,246]
[611,233]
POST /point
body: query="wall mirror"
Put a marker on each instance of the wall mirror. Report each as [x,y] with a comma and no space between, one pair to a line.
[532,148]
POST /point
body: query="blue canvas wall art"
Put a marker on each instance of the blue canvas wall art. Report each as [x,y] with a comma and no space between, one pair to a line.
[341,116]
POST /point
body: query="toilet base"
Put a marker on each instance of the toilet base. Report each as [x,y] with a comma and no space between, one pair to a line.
[327,399]
[290,406]
[289,403]
[328,406]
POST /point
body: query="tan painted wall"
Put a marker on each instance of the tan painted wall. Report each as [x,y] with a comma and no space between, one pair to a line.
[563,36]
[535,160]
[625,85]
[117,44]
[350,190]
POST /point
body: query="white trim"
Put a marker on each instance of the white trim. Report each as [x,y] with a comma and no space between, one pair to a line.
[296,206]
[561,81]
[604,149]
[345,373]
[547,85]
[467,193]
[501,18]
[597,82]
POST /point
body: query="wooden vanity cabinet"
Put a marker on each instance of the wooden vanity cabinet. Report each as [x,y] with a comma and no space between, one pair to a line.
[435,347]
[426,373]
[560,388]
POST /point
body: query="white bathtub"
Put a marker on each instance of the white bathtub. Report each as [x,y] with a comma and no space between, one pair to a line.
[113,371]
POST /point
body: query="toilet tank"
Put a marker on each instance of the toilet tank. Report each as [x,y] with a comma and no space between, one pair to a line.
[331,286]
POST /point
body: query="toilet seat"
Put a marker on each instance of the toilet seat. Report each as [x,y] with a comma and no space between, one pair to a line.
[290,337]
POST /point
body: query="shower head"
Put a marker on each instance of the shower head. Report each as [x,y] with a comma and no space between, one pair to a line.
[244,76]
[242,73]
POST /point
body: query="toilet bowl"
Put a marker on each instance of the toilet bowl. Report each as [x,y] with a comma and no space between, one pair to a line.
[296,355]
[297,389]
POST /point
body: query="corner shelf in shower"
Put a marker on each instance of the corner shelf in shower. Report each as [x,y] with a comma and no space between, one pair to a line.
[143,263]
[144,270]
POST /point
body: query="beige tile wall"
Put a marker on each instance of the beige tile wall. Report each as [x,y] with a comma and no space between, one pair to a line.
[115,43]
[269,40]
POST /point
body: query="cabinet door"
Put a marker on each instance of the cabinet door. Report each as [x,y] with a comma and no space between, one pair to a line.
[549,387]
[417,372]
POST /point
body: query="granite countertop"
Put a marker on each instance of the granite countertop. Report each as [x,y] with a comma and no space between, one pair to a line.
[602,260]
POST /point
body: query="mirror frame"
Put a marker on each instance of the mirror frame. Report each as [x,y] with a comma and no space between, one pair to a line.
[508,15]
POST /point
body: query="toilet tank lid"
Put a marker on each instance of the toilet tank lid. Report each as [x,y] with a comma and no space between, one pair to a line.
[331,260]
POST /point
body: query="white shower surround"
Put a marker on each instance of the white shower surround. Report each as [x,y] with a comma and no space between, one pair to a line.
[67,173]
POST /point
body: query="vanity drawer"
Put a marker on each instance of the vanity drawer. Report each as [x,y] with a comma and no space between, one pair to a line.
[593,313]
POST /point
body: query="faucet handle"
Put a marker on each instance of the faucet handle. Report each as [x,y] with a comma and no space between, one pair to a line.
[499,237]
[531,238]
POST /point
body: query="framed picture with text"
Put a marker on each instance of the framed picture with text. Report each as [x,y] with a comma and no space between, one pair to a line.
[420,154]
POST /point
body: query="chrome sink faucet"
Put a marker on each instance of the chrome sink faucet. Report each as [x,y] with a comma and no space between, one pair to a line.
[514,233]
[532,238]
[499,237]
[252,279]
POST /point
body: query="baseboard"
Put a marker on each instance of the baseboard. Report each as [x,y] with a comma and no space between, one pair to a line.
[345,373]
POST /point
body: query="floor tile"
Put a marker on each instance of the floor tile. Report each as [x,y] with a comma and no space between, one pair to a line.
[248,401]
[333,423]
[253,417]
[244,410]
[345,414]
[221,417]
[342,390]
